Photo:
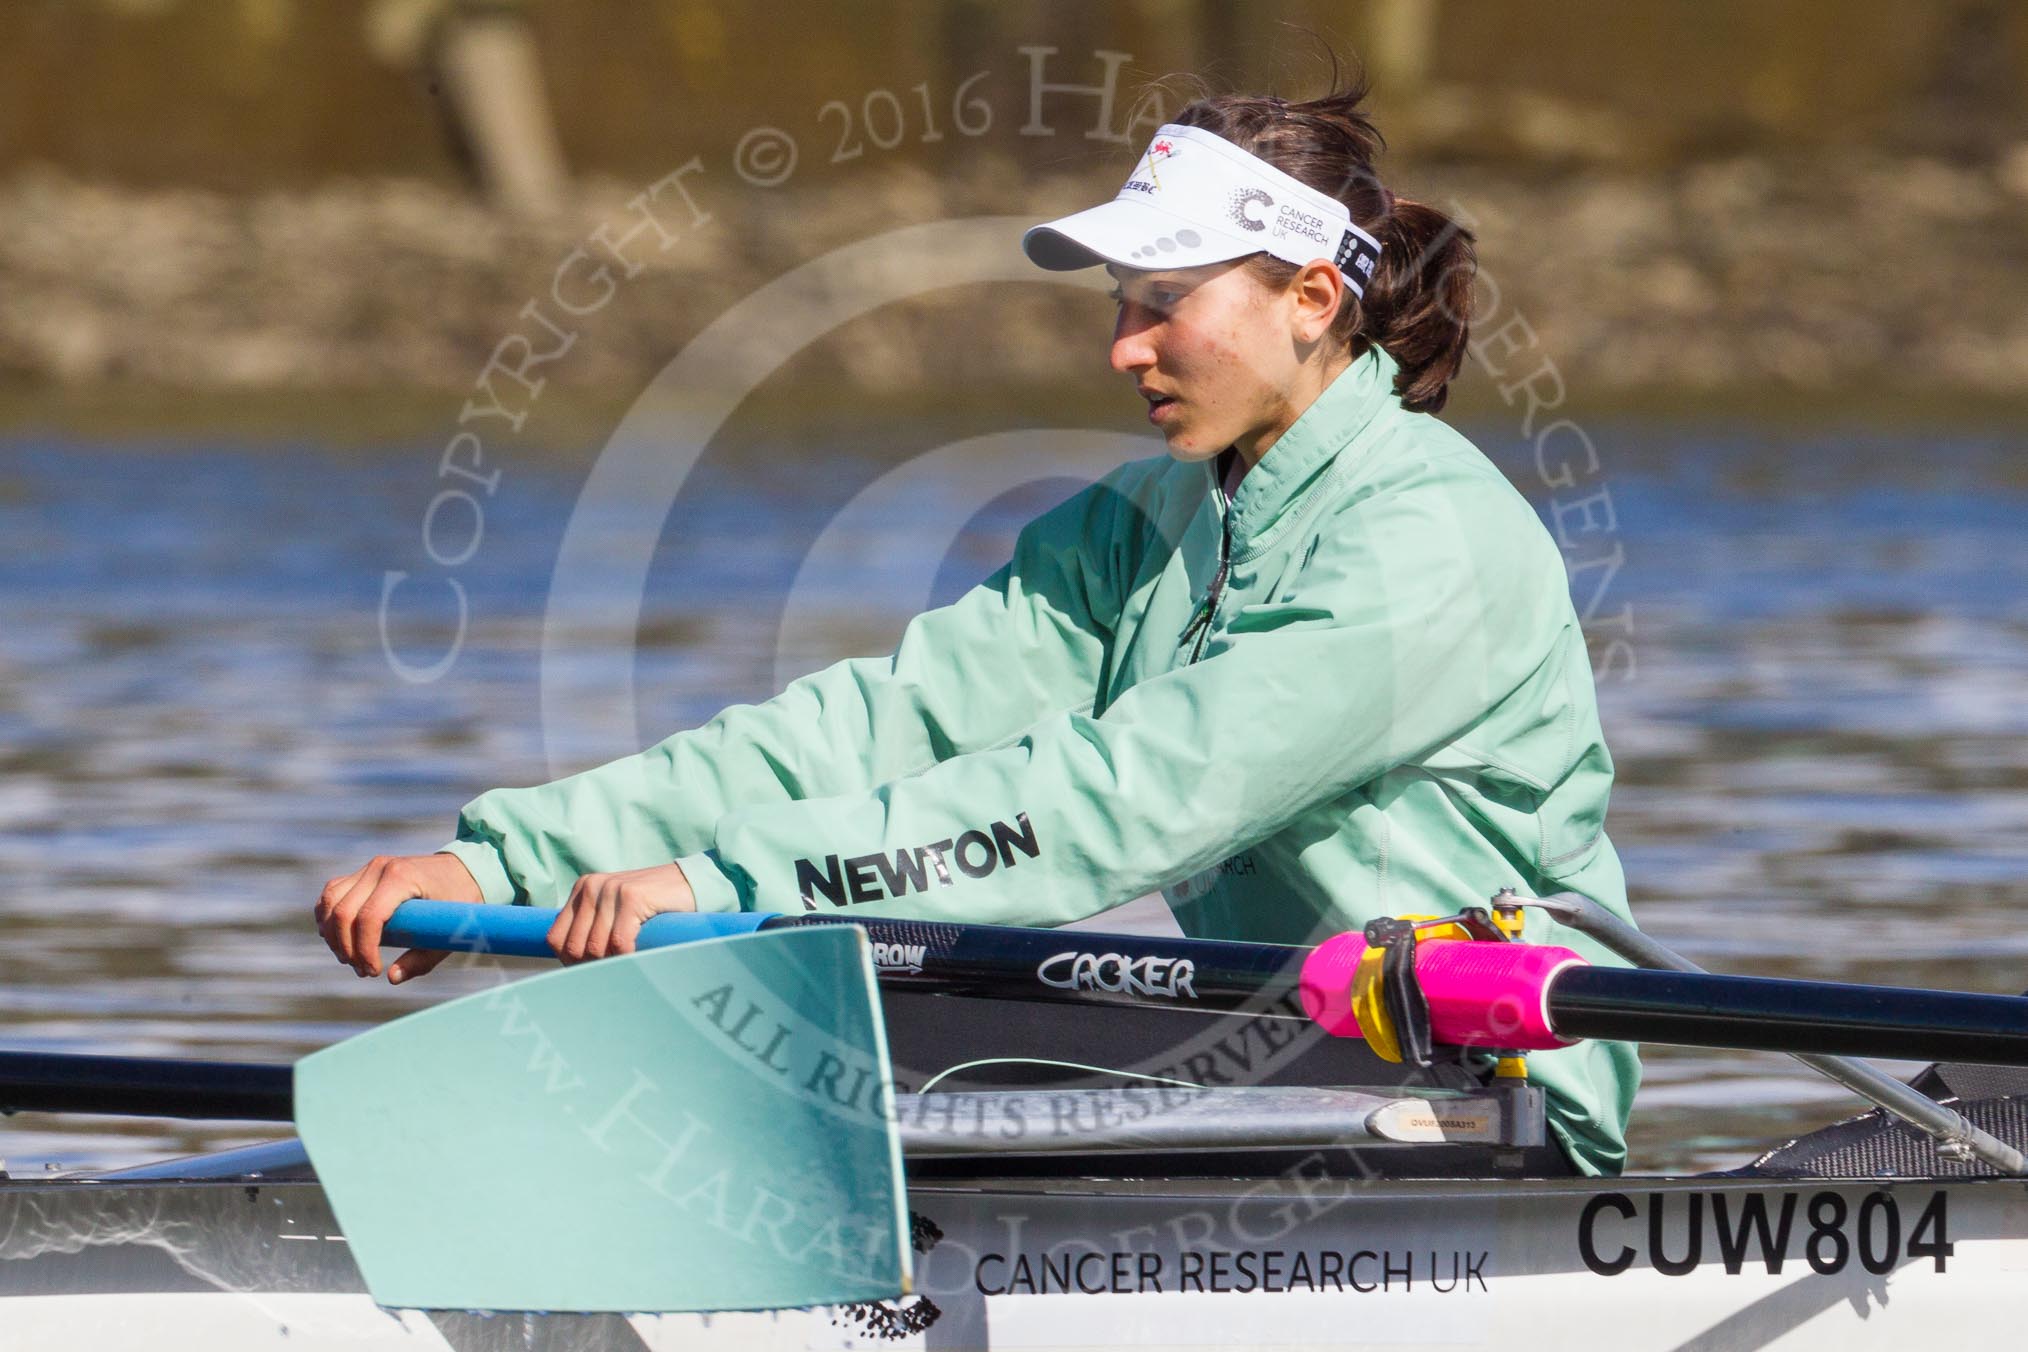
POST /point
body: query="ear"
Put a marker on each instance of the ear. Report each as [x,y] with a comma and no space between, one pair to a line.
[1314,295]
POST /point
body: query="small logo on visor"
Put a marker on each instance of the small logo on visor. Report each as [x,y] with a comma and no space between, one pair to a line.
[1355,254]
[1248,197]
[1161,150]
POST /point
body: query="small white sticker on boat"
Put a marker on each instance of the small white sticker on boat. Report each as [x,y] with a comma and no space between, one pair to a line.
[1421,1120]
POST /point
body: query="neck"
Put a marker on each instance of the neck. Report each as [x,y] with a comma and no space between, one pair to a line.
[1312,378]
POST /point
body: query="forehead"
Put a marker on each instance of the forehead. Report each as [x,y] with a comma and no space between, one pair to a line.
[1178,276]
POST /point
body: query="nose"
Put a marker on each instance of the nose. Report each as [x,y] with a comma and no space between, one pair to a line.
[1133,340]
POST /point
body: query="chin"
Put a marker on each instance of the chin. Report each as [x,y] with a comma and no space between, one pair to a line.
[1191,450]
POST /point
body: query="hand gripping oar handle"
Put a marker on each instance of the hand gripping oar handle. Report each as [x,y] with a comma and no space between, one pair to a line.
[522,931]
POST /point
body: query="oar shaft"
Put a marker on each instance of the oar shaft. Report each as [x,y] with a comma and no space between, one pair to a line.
[988,960]
[1073,966]
[1956,1134]
[1699,1009]
[1619,1004]
[60,1082]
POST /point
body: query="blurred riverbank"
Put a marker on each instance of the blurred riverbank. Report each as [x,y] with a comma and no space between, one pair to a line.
[1762,278]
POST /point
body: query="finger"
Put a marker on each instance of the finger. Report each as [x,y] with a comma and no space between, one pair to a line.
[559,932]
[338,924]
[601,919]
[598,938]
[330,904]
[574,944]
[559,928]
[333,891]
[626,933]
[395,887]
[414,963]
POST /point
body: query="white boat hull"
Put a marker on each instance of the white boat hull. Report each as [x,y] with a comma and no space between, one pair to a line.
[1287,1262]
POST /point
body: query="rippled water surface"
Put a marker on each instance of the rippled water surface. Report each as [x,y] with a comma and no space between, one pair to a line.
[1818,718]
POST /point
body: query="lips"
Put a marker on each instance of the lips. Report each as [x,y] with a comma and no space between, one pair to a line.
[1157,403]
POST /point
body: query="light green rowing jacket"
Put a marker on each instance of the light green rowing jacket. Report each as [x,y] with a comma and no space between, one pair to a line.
[1357,689]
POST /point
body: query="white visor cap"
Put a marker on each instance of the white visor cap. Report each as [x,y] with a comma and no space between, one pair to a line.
[1196,198]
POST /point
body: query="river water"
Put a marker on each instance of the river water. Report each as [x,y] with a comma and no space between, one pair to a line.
[1817,712]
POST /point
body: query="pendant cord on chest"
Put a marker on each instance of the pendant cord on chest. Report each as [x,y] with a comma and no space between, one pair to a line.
[1200,623]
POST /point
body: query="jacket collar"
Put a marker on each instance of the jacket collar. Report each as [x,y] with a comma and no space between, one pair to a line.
[1301,456]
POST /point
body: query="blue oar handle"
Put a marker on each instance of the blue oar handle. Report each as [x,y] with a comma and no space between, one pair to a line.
[518,931]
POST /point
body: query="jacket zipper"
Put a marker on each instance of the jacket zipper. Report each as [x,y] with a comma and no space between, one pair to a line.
[1200,623]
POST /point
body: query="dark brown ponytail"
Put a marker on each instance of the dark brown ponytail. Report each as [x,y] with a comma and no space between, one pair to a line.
[1418,305]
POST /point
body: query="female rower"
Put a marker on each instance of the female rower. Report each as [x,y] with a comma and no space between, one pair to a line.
[1317,664]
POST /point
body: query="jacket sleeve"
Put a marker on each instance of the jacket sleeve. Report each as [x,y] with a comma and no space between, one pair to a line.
[1032,640]
[1405,627]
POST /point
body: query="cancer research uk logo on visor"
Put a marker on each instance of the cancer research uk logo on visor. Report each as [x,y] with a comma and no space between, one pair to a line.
[1250,209]
[1243,200]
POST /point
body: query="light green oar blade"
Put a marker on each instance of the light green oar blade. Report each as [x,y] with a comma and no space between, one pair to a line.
[695,1128]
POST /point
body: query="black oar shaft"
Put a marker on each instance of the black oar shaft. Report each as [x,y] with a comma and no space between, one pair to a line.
[57,1082]
[1620,1004]
[1073,966]
[1613,1003]
[1696,1009]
